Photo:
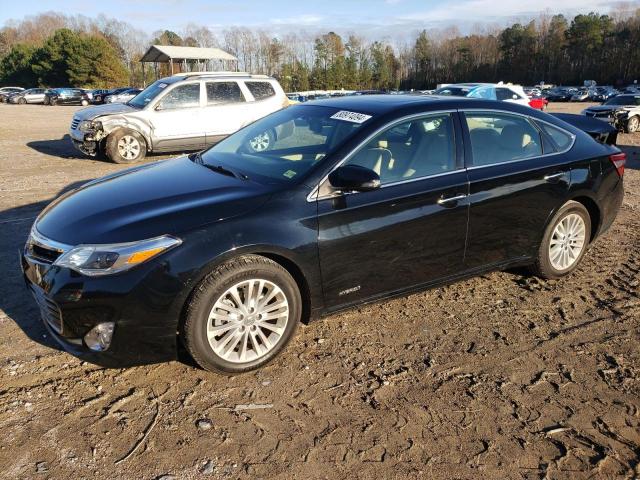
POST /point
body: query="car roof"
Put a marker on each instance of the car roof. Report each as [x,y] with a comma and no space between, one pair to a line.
[384,104]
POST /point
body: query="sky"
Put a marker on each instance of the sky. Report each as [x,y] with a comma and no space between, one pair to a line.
[372,18]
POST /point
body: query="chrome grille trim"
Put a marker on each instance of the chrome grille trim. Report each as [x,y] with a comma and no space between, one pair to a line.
[74,123]
[52,249]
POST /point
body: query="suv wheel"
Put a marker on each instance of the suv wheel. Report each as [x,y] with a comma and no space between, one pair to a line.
[262,142]
[125,146]
[565,241]
[242,315]
[633,124]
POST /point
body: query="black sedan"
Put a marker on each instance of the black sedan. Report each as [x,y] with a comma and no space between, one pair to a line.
[357,199]
[66,96]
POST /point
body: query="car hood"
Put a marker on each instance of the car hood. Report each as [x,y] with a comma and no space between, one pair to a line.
[168,197]
[91,113]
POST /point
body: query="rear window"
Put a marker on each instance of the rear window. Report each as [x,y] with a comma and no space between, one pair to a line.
[260,90]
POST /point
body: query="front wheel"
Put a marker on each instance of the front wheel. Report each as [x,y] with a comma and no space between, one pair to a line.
[633,124]
[242,315]
[84,103]
[125,146]
[565,241]
[22,101]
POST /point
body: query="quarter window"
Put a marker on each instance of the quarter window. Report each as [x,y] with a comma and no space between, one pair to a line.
[413,149]
[260,90]
[499,138]
[561,139]
[183,96]
[223,92]
[506,94]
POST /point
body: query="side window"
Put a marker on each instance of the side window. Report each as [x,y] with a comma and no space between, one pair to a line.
[413,149]
[560,139]
[506,94]
[260,90]
[183,96]
[497,138]
[223,92]
[488,93]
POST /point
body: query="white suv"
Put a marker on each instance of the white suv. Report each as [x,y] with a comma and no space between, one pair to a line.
[189,111]
[505,92]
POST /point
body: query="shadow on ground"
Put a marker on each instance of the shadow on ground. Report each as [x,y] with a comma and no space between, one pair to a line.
[15,299]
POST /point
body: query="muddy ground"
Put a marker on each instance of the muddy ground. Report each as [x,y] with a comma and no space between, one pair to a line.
[501,376]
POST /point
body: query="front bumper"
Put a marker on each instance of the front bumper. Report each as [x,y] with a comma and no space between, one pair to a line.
[84,142]
[144,304]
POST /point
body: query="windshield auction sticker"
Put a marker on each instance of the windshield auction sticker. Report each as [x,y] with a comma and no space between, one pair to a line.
[354,117]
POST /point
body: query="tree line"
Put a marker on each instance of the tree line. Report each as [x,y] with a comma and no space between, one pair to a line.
[58,50]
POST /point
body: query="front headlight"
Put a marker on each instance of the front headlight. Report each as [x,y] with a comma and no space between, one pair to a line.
[85,126]
[106,259]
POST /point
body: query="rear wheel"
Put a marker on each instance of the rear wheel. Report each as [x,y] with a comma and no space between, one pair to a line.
[565,241]
[242,315]
[125,146]
[22,101]
[262,142]
[633,124]
[84,103]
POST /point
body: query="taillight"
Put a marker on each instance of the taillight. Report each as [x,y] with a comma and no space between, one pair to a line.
[619,160]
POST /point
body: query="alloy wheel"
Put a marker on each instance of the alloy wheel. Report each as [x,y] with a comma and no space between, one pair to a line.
[129,147]
[248,320]
[567,242]
[633,125]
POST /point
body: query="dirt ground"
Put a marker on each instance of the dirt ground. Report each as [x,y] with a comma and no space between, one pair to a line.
[501,376]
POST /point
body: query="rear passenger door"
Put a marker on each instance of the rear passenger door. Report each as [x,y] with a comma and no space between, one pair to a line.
[518,175]
[264,98]
[412,229]
[225,111]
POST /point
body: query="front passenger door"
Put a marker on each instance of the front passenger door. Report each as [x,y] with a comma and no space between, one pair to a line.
[176,119]
[410,231]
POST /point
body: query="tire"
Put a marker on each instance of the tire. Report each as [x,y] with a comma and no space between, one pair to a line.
[117,150]
[246,339]
[261,142]
[53,102]
[22,101]
[84,103]
[633,124]
[567,250]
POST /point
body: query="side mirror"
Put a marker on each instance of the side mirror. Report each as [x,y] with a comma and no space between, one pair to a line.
[354,178]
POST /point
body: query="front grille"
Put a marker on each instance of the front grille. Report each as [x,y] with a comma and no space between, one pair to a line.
[74,123]
[49,309]
[44,254]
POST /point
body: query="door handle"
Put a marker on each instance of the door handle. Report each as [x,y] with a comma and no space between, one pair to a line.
[553,176]
[448,200]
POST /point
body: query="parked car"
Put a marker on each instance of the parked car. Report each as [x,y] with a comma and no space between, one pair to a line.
[622,111]
[66,96]
[122,97]
[179,113]
[583,95]
[99,94]
[560,94]
[226,251]
[488,91]
[33,95]
[602,94]
[538,102]
[6,92]
[103,94]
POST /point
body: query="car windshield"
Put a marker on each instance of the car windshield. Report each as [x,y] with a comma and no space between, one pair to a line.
[148,94]
[623,100]
[453,91]
[285,145]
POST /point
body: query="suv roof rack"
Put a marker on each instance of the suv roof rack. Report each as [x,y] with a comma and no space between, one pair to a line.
[219,74]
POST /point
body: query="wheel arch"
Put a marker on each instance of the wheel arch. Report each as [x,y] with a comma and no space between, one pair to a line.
[594,212]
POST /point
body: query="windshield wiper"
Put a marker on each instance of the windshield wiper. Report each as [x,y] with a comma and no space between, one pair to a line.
[197,158]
